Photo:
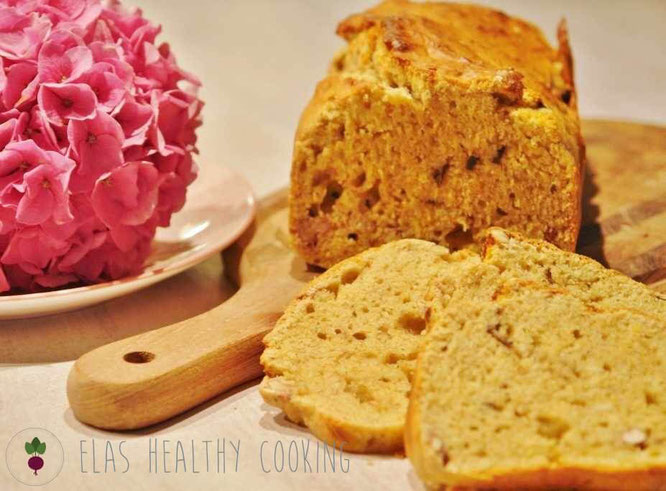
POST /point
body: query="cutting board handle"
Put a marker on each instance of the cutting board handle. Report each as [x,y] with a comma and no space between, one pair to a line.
[148,378]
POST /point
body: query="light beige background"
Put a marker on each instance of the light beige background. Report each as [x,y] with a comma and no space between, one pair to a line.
[259,61]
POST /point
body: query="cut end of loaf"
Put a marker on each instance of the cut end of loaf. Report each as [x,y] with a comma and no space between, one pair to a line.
[416,133]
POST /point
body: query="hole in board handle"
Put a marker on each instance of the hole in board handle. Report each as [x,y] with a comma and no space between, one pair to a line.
[139,357]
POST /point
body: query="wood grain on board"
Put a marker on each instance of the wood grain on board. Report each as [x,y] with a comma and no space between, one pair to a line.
[624,212]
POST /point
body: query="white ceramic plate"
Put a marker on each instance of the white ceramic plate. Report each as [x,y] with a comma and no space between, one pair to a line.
[219,207]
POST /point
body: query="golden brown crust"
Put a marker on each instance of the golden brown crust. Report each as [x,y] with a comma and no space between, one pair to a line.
[576,478]
[465,43]
[414,449]
[426,108]
[570,97]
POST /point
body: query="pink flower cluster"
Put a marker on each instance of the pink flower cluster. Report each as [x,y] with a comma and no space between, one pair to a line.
[97,131]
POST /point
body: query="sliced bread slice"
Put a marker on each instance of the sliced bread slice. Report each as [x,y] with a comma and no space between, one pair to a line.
[536,387]
[340,359]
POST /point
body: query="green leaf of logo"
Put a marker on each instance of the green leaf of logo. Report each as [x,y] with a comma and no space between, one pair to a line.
[41,448]
[35,443]
[29,448]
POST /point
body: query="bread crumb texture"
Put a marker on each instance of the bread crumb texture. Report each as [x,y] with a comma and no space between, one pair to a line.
[542,369]
[340,359]
[435,122]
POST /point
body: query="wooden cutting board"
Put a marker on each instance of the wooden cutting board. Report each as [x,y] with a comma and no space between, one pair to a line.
[148,378]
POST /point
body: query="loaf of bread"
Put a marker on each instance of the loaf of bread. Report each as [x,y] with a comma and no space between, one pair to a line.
[341,357]
[436,121]
[536,388]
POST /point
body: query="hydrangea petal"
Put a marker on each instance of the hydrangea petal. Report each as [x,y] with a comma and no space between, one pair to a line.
[135,120]
[127,195]
[63,102]
[108,88]
[21,34]
[7,132]
[19,77]
[64,66]
[4,284]
[31,248]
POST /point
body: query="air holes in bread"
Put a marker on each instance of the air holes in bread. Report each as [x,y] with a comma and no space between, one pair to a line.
[359,180]
[333,288]
[499,154]
[333,193]
[391,359]
[316,149]
[439,173]
[361,392]
[495,406]
[472,160]
[566,96]
[350,276]
[459,238]
[550,234]
[371,197]
[552,426]
[412,322]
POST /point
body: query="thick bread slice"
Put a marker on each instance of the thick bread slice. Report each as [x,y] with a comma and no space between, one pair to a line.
[538,388]
[340,359]
[535,279]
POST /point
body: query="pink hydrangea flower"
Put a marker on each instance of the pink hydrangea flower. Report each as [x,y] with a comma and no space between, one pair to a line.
[97,132]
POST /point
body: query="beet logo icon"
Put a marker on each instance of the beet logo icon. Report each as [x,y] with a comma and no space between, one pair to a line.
[34,457]
[35,448]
